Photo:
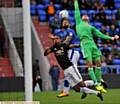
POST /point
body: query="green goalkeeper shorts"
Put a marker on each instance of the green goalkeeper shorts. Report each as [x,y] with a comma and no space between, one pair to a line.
[90,51]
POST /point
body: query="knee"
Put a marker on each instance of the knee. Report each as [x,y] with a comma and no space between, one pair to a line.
[98,64]
[77,88]
[89,64]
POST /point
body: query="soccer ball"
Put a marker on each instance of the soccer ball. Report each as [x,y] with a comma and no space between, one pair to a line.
[64,14]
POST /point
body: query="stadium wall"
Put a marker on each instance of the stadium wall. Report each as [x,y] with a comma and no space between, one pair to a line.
[38,53]
[14,20]
[12,51]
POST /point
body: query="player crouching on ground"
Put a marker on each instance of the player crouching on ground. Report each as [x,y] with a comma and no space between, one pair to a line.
[70,71]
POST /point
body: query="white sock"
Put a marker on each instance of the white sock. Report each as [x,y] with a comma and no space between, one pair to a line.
[66,89]
[89,83]
[88,91]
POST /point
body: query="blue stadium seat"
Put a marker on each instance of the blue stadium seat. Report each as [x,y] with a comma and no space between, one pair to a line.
[40,7]
[103,1]
[119,48]
[110,17]
[116,61]
[119,23]
[90,12]
[42,18]
[42,15]
[46,1]
[33,10]
[57,12]
[108,12]
[98,24]
[109,48]
[51,19]
[117,5]
[82,62]
[117,1]
[114,11]
[57,6]
[41,12]
[83,12]
[71,12]
[71,19]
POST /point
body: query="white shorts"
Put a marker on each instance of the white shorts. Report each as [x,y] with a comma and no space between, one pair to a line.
[72,75]
[73,56]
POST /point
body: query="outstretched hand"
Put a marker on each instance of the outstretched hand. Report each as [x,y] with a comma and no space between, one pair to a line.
[115,37]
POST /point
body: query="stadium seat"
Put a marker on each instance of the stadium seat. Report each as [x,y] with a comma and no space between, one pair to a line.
[119,23]
[71,19]
[114,11]
[57,12]
[90,12]
[40,7]
[117,5]
[103,1]
[42,18]
[42,15]
[71,12]
[46,1]
[116,61]
[108,12]
[82,62]
[98,25]
[117,1]
[33,10]
[109,48]
[41,12]
[57,6]
[83,12]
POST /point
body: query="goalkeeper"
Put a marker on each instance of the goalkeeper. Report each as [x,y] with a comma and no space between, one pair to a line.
[89,49]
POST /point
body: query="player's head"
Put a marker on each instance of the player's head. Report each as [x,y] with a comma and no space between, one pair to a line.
[85,18]
[65,23]
[57,39]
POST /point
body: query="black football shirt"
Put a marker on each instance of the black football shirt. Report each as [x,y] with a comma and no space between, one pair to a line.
[61,52]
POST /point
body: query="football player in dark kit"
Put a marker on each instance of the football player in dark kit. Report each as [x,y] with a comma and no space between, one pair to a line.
[71,72]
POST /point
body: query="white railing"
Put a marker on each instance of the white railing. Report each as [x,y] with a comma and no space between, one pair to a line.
[12,51]
[105,69]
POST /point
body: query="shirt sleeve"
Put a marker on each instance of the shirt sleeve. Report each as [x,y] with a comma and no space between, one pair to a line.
[77,13]
[99,34]
[52,49]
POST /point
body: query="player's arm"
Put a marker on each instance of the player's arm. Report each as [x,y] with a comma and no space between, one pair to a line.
[74,46]
[51,36]
[77,12]
[68,39]
[101,35]
[47,51]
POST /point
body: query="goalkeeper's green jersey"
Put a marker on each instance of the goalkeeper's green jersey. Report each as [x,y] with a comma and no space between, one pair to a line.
[84,30]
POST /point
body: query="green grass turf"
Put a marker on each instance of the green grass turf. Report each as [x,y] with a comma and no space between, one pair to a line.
[112,97]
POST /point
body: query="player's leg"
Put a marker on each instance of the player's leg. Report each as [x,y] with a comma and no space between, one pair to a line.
[76,81]
[87,54]
[74,57]
[98,71]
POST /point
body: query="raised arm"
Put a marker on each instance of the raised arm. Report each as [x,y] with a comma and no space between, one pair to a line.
[101,35]
[77,12]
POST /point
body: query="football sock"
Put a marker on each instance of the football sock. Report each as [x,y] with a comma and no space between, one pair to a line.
[88,91]
[92,74]
[66,86]
[89,83]
[98,74]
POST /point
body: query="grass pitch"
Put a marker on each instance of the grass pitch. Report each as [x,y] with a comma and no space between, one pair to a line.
[112,97]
